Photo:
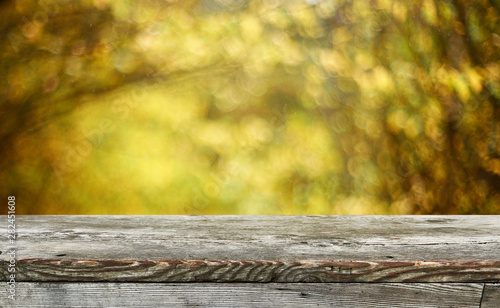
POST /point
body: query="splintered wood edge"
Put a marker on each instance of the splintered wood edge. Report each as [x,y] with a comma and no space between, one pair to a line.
[46,270]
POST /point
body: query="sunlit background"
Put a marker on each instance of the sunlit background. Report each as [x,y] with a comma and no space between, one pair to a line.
[250,107]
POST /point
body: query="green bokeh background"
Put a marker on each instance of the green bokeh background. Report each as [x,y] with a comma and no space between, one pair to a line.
[251,107]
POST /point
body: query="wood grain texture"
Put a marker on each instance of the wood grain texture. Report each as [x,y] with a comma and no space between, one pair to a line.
[257,248]
[244,295]
[255,271]
[491,296]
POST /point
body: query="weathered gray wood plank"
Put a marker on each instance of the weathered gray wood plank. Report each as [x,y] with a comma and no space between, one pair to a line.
[260,237]
[257,248]
[491,296]
[244,295]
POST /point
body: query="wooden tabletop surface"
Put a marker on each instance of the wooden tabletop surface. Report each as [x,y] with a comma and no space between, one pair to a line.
[254,261]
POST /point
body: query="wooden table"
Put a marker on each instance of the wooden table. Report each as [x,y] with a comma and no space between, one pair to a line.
[254,261]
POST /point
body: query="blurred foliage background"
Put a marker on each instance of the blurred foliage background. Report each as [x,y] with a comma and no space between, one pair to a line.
[250,107]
